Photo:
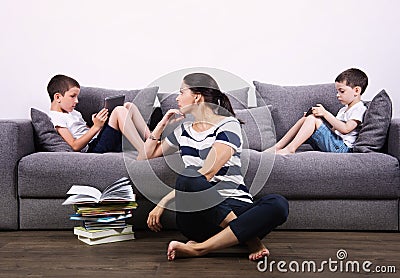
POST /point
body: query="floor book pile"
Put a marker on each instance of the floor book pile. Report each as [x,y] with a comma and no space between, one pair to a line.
[103,214]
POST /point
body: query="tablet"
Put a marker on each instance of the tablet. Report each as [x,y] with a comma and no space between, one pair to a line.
[111,102]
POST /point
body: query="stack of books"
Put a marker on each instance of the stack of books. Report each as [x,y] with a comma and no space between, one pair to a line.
[103,214]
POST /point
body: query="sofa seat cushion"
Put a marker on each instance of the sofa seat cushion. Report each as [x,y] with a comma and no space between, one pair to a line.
[310,174]
[319,175]
[50,175]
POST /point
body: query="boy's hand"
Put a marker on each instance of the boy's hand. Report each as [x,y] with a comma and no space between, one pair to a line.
[100,118]
[319,111]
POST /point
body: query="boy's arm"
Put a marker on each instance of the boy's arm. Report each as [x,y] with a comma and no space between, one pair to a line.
[78,144]
[81,142]
[342,127]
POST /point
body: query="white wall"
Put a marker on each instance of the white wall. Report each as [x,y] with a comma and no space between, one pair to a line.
[129,44]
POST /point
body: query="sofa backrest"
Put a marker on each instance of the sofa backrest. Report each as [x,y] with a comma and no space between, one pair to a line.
[91,100]
[288,103]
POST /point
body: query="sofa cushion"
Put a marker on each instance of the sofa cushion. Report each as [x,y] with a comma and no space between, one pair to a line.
[322,175]
[51,175]
[290,102]
[376,123]
[46,137]
[258,130]
[238,99]
[91,100]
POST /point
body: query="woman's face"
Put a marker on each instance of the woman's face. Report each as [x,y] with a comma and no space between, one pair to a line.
[185,99]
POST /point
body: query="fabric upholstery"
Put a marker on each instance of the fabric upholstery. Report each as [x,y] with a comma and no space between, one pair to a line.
[46,137]
[258,130]
[91,100]
[290,102]
[393,138]
[16,141]
[376,123]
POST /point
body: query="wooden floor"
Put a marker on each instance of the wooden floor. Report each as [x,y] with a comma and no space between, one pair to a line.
[61,254]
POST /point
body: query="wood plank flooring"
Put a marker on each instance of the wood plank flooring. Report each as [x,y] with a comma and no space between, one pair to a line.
[61,254]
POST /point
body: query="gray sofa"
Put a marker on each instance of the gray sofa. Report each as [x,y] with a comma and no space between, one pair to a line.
[355,191]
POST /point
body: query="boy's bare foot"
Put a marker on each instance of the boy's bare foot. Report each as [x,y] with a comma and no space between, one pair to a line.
[272,149]
[178,249]
[257,249]
[284,151]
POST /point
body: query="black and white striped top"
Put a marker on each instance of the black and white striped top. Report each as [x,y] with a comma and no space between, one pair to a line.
[194,147]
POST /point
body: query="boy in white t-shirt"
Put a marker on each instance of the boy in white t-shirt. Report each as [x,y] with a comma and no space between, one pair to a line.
[340,137]
[124,120]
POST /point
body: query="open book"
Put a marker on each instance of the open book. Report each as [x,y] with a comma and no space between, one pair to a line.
[119,191]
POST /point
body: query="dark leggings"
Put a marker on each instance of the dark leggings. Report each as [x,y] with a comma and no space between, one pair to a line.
[253,219]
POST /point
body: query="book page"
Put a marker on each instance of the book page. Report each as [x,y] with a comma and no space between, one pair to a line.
[119,190]
[77,199]
[85,190]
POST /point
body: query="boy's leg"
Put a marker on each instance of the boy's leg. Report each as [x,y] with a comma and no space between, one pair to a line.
[288,137]
[137,119]
[119,120]
[310,124]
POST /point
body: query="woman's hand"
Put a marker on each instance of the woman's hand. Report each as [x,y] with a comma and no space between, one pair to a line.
[172,116]
[153,220]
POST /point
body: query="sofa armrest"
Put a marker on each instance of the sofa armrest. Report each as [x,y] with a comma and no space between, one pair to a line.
[16,141]
[394,138]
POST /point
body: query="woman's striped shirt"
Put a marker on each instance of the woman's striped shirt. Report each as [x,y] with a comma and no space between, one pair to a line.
[194,147]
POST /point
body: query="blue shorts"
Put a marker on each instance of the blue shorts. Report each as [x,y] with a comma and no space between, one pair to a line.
[328,141]
[109,140]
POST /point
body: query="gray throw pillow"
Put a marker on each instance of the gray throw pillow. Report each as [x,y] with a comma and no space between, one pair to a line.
[375,126]
[238,99]
[46,137]
[290,102]
[258,130]
[91,100]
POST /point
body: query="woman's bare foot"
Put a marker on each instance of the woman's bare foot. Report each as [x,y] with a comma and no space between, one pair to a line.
[178,249]
[257,249]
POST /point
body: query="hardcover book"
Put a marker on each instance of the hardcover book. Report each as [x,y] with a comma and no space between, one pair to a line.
[100,233]
[108,239]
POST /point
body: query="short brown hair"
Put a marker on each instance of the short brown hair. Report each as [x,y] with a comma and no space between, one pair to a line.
[60,84]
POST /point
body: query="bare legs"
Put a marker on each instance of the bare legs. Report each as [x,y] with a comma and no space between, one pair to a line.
[130,122]
[297,135]
[223,239]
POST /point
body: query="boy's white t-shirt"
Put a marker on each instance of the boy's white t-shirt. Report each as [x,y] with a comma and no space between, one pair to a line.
[356,113]
[73,121]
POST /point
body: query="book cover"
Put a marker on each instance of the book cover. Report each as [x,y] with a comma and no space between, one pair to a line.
[119,191]
[100,233]
[101,219]
[108,239]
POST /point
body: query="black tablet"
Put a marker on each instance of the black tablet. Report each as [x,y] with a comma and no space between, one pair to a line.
[111,102]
